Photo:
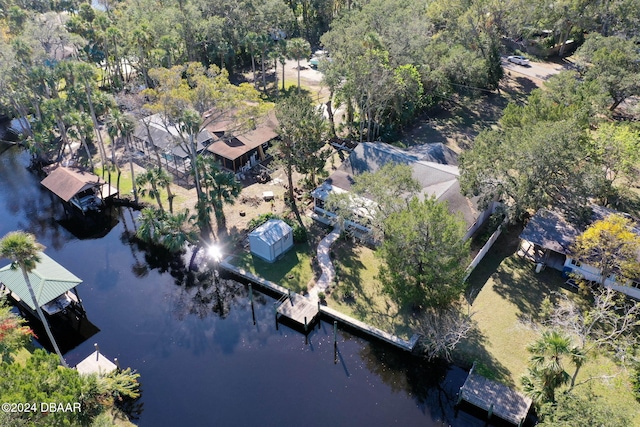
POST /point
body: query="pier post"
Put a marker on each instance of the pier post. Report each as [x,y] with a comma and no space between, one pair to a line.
[253,312]
[275,312]
[289,293]
[490,411]
[335,342]
[305,323]
[115,360]
[95,345]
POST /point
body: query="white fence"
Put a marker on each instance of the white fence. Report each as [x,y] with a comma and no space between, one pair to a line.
[483,251]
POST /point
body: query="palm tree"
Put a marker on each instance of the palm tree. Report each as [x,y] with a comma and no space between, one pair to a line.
[174,234]
[297,49]
[150,178]
[221,187]
[150,224]
[546,371]
[122,126]
[23,250]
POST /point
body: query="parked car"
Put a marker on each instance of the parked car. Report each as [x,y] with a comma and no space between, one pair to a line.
[516,59]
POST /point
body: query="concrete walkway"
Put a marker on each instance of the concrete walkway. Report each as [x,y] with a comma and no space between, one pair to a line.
[328,272]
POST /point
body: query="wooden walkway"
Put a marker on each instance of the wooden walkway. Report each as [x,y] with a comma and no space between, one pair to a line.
[496,398]
[298,309]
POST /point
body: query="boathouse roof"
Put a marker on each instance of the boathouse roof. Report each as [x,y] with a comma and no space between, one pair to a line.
[66,183]
[48,279]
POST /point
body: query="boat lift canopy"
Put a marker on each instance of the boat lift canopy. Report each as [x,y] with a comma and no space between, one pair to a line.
[49,280]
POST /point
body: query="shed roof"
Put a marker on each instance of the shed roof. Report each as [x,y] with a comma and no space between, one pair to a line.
[271,231]
[48,279]
[66,183]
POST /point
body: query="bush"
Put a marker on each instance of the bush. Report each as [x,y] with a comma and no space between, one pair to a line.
[299,234]
[261,219]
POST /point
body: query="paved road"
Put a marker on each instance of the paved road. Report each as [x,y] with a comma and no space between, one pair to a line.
[536,70]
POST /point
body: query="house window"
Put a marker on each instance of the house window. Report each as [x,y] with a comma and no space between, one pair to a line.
[635,284]
[576,262]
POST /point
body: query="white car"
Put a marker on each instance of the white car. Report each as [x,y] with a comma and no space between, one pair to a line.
[520,60]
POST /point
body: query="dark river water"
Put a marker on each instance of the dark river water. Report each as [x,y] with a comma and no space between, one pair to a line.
[202,360]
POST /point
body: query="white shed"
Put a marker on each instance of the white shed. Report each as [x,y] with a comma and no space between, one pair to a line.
[271,239]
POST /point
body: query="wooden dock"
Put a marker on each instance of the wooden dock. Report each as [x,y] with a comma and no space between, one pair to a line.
[298,309]
[96,363]
[497,399]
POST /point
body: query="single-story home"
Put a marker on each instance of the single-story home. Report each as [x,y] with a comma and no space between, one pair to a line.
[271,239]
[83,190]
[237,149]
[434,166]
[547,240]
[156,139]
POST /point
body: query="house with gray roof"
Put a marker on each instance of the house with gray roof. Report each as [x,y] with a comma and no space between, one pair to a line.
[547,240]
[434,166]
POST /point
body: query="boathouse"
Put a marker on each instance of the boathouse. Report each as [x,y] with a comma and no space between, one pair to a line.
[271,239]
[83,190]
[54,286]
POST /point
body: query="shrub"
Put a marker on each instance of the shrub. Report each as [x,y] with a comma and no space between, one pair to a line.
[299,234]
[261,219]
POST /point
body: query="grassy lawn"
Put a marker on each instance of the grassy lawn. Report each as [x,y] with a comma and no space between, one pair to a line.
[509,297]
[293,270]
[126,187]
[359,294]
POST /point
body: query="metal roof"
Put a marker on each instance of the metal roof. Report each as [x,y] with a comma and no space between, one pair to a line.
[49,280]
[271,231]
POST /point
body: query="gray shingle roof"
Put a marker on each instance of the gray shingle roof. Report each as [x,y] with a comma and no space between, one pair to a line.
[433,166]
[551,230]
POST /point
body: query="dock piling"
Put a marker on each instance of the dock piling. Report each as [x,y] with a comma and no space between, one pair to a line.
[95,345]
[335,342]
[115,360]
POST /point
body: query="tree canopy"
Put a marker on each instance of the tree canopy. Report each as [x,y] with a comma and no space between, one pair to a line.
[424,254]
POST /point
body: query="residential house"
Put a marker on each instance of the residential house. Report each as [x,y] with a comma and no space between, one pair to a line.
[547,240]
[237,149]
[434,166]
[161,143]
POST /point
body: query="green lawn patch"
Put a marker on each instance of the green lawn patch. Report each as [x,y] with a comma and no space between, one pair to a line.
[293,270]
[359,293]
[126,188]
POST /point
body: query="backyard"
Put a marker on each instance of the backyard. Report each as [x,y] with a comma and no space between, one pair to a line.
[506,295]
[294,270]
[358,293]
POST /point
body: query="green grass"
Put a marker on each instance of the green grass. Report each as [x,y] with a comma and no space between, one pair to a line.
[126,187]
[359,293]
[293,270]
[510,294]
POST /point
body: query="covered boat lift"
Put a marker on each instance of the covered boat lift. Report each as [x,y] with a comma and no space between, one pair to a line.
[83,190]
[52,284]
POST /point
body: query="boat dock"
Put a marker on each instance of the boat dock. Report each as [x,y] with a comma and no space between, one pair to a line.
[298,309]
[497,399]
[298,317]
[96,363]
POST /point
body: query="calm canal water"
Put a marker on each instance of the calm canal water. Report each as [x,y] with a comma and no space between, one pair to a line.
[202,360]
